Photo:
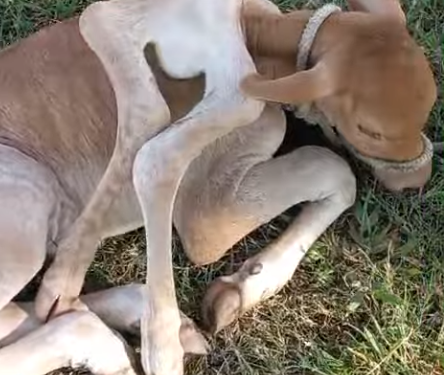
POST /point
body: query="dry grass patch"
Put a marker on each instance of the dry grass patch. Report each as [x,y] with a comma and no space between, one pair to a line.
[368,299]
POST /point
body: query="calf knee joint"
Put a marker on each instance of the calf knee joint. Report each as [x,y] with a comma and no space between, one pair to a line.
[344,183]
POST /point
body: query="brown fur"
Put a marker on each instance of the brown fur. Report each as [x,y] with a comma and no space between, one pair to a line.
[382,86]
[371,61]
[70,111]
[74,187]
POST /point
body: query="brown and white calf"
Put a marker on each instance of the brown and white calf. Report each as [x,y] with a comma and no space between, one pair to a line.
[95,142]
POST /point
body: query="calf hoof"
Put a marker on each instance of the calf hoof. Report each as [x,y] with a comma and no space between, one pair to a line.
[221,305]
[193,342]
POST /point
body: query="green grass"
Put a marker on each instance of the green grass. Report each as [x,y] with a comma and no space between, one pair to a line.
[369,297]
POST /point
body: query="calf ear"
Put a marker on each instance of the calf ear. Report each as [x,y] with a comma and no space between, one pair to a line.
[299,88]
[386,8]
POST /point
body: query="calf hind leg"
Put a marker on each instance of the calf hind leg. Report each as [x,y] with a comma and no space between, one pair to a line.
[310,174]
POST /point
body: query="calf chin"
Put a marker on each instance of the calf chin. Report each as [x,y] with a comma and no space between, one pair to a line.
[397,181]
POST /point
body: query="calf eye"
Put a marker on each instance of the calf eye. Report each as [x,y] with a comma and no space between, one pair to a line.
[370,133]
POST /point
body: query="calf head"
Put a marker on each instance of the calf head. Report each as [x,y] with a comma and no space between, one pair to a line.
[372,82]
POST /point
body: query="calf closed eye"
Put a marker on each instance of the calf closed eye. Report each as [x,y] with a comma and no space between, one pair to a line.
[372,134]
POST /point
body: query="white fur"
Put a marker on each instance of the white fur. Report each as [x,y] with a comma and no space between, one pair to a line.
[211,151]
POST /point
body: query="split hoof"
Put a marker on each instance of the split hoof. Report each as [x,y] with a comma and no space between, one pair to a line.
[222,304]
[193,342]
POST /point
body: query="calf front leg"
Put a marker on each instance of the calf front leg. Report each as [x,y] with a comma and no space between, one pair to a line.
[120,308]
[310,174]
[142,112]
[158,170]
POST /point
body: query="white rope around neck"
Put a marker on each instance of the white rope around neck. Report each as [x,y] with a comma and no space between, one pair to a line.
[309,112]
[313,116]
[311,31]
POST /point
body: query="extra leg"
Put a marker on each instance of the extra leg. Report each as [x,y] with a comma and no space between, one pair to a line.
[234,187]
[310,174]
